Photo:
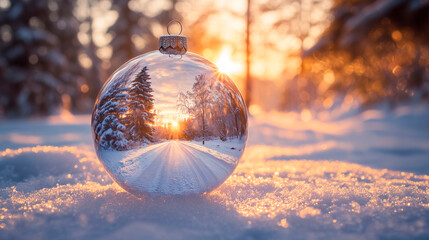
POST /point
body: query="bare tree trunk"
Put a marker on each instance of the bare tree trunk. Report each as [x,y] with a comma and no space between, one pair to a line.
[95,84]
[248,84]
[204,124]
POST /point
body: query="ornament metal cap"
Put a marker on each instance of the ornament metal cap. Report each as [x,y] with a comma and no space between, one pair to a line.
[173,44]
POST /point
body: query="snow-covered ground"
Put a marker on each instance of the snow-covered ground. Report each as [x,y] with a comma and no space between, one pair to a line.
[169,168]
[356,176]
[233,147]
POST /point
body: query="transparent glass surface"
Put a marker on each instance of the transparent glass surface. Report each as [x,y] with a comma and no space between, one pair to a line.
[169,125]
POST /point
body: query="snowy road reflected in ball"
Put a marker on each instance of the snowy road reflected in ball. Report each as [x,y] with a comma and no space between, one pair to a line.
[169,125]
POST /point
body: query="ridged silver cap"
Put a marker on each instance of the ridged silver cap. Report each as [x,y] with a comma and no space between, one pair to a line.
[173,44]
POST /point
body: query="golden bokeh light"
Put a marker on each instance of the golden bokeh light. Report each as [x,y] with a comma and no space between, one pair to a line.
[306,115]
[255,109]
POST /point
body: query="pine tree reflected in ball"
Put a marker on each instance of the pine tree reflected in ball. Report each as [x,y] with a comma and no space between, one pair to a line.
[169,124]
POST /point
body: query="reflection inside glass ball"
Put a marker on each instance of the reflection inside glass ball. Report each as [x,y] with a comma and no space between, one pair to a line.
[169,125]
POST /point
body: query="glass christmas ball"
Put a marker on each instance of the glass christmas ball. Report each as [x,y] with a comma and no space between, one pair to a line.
[169,124]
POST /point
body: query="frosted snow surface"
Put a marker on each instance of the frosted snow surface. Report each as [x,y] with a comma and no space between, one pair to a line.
[358,177]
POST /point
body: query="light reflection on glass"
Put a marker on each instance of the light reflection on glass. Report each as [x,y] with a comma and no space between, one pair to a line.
[169,125]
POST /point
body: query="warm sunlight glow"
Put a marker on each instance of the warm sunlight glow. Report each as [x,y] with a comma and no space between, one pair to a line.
[305,115]
[226,63]
[255,109]
[174,124]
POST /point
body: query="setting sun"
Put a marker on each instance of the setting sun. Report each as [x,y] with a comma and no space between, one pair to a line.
[225,62]
[174,124]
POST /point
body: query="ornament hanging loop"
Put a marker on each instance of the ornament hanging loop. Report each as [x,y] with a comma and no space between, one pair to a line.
[173,44]
[171,22]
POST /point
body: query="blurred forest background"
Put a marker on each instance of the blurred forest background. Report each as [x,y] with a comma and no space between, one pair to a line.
[302,54]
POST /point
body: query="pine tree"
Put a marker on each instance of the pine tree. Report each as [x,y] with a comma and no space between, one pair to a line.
[112,134]
[111,104]
[39,52]
[109,111]
[141,105]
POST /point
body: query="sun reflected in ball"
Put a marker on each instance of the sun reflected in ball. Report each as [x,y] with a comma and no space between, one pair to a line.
[169,125]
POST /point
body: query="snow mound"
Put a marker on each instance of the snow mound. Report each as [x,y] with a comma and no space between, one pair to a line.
[47,166]
[262,199]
